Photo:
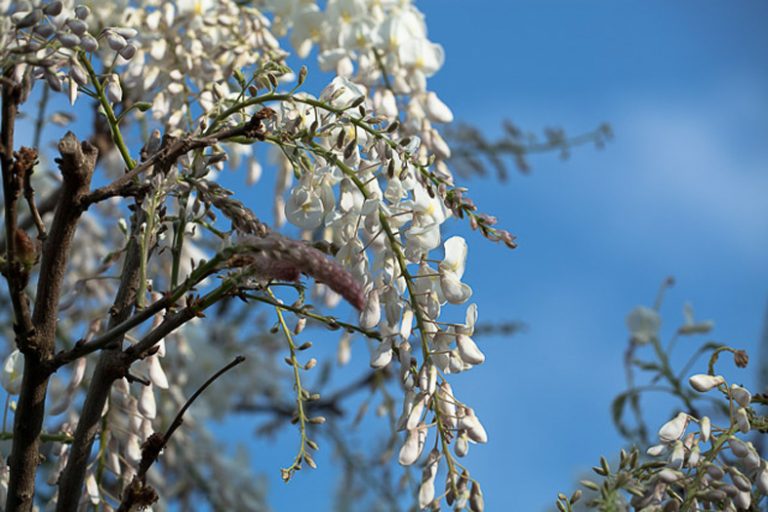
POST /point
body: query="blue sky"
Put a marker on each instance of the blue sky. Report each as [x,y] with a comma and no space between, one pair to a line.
[680,191]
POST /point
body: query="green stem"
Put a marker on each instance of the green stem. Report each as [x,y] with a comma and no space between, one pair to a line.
[300,392]
[114,127]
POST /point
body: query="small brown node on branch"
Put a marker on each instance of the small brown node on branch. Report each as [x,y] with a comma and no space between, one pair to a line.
[138,495]
[25,160]
[26,249]
[254,128]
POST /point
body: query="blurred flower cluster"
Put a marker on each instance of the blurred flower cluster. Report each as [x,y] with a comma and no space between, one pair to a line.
[704,457]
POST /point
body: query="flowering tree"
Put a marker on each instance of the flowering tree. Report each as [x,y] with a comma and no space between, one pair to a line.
[113,262]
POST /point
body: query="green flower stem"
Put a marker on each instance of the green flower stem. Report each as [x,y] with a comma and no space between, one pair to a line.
[144,244]
[669,374]
[178,240]
[46,438]
[300,392]
[114,127]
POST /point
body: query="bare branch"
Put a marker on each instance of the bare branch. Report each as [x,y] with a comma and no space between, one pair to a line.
[37,339]
[139,494]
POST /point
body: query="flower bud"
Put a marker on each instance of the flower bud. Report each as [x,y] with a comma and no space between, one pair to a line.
[739,479]
[128,51]
[762,479]
[743,500]
[82,12]
[694,456]
[669,476]
[742,420]
[476,502]
[706,429]
[462,444]
[28,20]
[382,354]
[116,41]
[68,40]
[437,110]
[53,8]
[89,43]
[77,26]
[738,447]
[113,90]
[678,455]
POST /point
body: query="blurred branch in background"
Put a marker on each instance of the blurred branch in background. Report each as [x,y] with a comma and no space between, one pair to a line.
[472,152]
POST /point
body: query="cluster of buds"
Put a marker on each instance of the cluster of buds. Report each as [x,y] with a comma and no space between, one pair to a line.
[46,42]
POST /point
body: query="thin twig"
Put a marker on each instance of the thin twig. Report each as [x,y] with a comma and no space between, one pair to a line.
[139,494]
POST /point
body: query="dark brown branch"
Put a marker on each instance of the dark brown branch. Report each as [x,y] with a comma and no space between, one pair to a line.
[172,149]
[331,404]
[139,494]
[13,172]
[108,369]
[76,163]
[34,213]
[82,349]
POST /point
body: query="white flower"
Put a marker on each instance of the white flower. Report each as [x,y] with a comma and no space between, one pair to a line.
[742,420]
[703,382]
[468,350]
[13,369]
[113,90]
[452,269]
[438,111]
[371,313]
[421,55]
[741,395]
[147,405]
[656,450]
[413,446]
[643,324]
[691,326]
[304,208]
[92,489]
[382,355]
[472,425]
[341,93]
[706,429]
[674,428]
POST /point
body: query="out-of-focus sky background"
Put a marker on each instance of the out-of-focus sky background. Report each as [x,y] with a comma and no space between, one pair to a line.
[682,191]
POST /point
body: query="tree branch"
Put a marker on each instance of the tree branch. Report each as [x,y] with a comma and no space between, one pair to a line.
[172,149]
[37,339]
[139,494]
[108,369]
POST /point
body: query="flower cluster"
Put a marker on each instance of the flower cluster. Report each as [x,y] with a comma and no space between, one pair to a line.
[361,171]
[699,462]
